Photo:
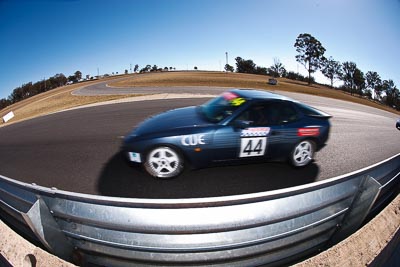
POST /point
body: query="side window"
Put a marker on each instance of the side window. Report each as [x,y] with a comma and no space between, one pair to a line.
[256,114]
[270,113]
[259,115]
[278,112]
[288,113]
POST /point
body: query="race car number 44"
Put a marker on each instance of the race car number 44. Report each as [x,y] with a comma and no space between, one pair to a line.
[252,147]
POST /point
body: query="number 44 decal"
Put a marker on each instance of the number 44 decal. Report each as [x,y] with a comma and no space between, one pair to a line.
[252,147]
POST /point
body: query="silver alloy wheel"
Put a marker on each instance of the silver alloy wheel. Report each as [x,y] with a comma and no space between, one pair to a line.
[163,162]
[303,153]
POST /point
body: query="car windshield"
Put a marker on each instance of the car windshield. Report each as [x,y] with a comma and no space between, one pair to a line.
[222,106]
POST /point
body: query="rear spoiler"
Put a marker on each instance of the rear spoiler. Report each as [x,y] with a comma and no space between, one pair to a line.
[320,116]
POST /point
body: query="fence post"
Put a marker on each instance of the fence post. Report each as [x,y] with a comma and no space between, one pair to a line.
[46,229]
[360,207]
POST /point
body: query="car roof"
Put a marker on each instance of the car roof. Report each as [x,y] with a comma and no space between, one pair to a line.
[259,95]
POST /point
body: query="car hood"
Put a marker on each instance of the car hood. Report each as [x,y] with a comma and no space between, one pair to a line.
[177,118]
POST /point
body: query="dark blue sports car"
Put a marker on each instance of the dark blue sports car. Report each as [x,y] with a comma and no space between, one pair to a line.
[237,126]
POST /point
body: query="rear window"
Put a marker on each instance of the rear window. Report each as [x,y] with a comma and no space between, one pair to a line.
[310,111]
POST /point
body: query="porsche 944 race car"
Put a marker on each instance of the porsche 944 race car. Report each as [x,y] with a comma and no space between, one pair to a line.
[237,126]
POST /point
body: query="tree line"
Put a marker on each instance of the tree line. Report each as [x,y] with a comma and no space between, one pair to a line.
[355,81]
[311,54]
[155,68]
[30,89]
[275,70]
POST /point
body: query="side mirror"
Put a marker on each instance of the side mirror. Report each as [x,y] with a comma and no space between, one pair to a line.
[242,124]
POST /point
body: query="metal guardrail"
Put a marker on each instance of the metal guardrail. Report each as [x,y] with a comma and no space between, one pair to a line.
[271,228]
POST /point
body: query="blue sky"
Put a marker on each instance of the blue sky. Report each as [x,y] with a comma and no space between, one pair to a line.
[42,38]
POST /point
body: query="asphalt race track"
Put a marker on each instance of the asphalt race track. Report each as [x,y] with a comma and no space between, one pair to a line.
[78,150]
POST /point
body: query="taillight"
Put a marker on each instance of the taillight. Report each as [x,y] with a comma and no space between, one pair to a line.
[311,131]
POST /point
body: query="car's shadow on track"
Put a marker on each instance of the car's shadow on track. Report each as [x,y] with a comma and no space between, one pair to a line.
[120,179]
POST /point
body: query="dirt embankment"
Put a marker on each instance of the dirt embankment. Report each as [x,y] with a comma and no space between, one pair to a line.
[61,98]
[52,101]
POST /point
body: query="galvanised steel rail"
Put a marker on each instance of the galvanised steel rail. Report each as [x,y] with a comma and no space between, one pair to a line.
[270,228]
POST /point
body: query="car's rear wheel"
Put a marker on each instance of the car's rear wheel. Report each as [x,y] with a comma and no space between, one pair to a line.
[164,162]
[303,153]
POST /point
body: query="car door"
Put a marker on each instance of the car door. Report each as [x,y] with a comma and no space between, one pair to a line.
[283,119]
[247,136]
[225,143]
[260,139]
[264,130]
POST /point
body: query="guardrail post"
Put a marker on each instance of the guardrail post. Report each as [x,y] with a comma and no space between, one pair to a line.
[360,207]
[46,229]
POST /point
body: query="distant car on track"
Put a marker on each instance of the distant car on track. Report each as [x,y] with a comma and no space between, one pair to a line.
[272,81]
[237,126]
[398,124]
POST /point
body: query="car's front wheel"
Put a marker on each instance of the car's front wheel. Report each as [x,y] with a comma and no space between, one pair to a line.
[164,162]
[303,153]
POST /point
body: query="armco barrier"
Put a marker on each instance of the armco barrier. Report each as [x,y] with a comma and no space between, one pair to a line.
[271,228]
